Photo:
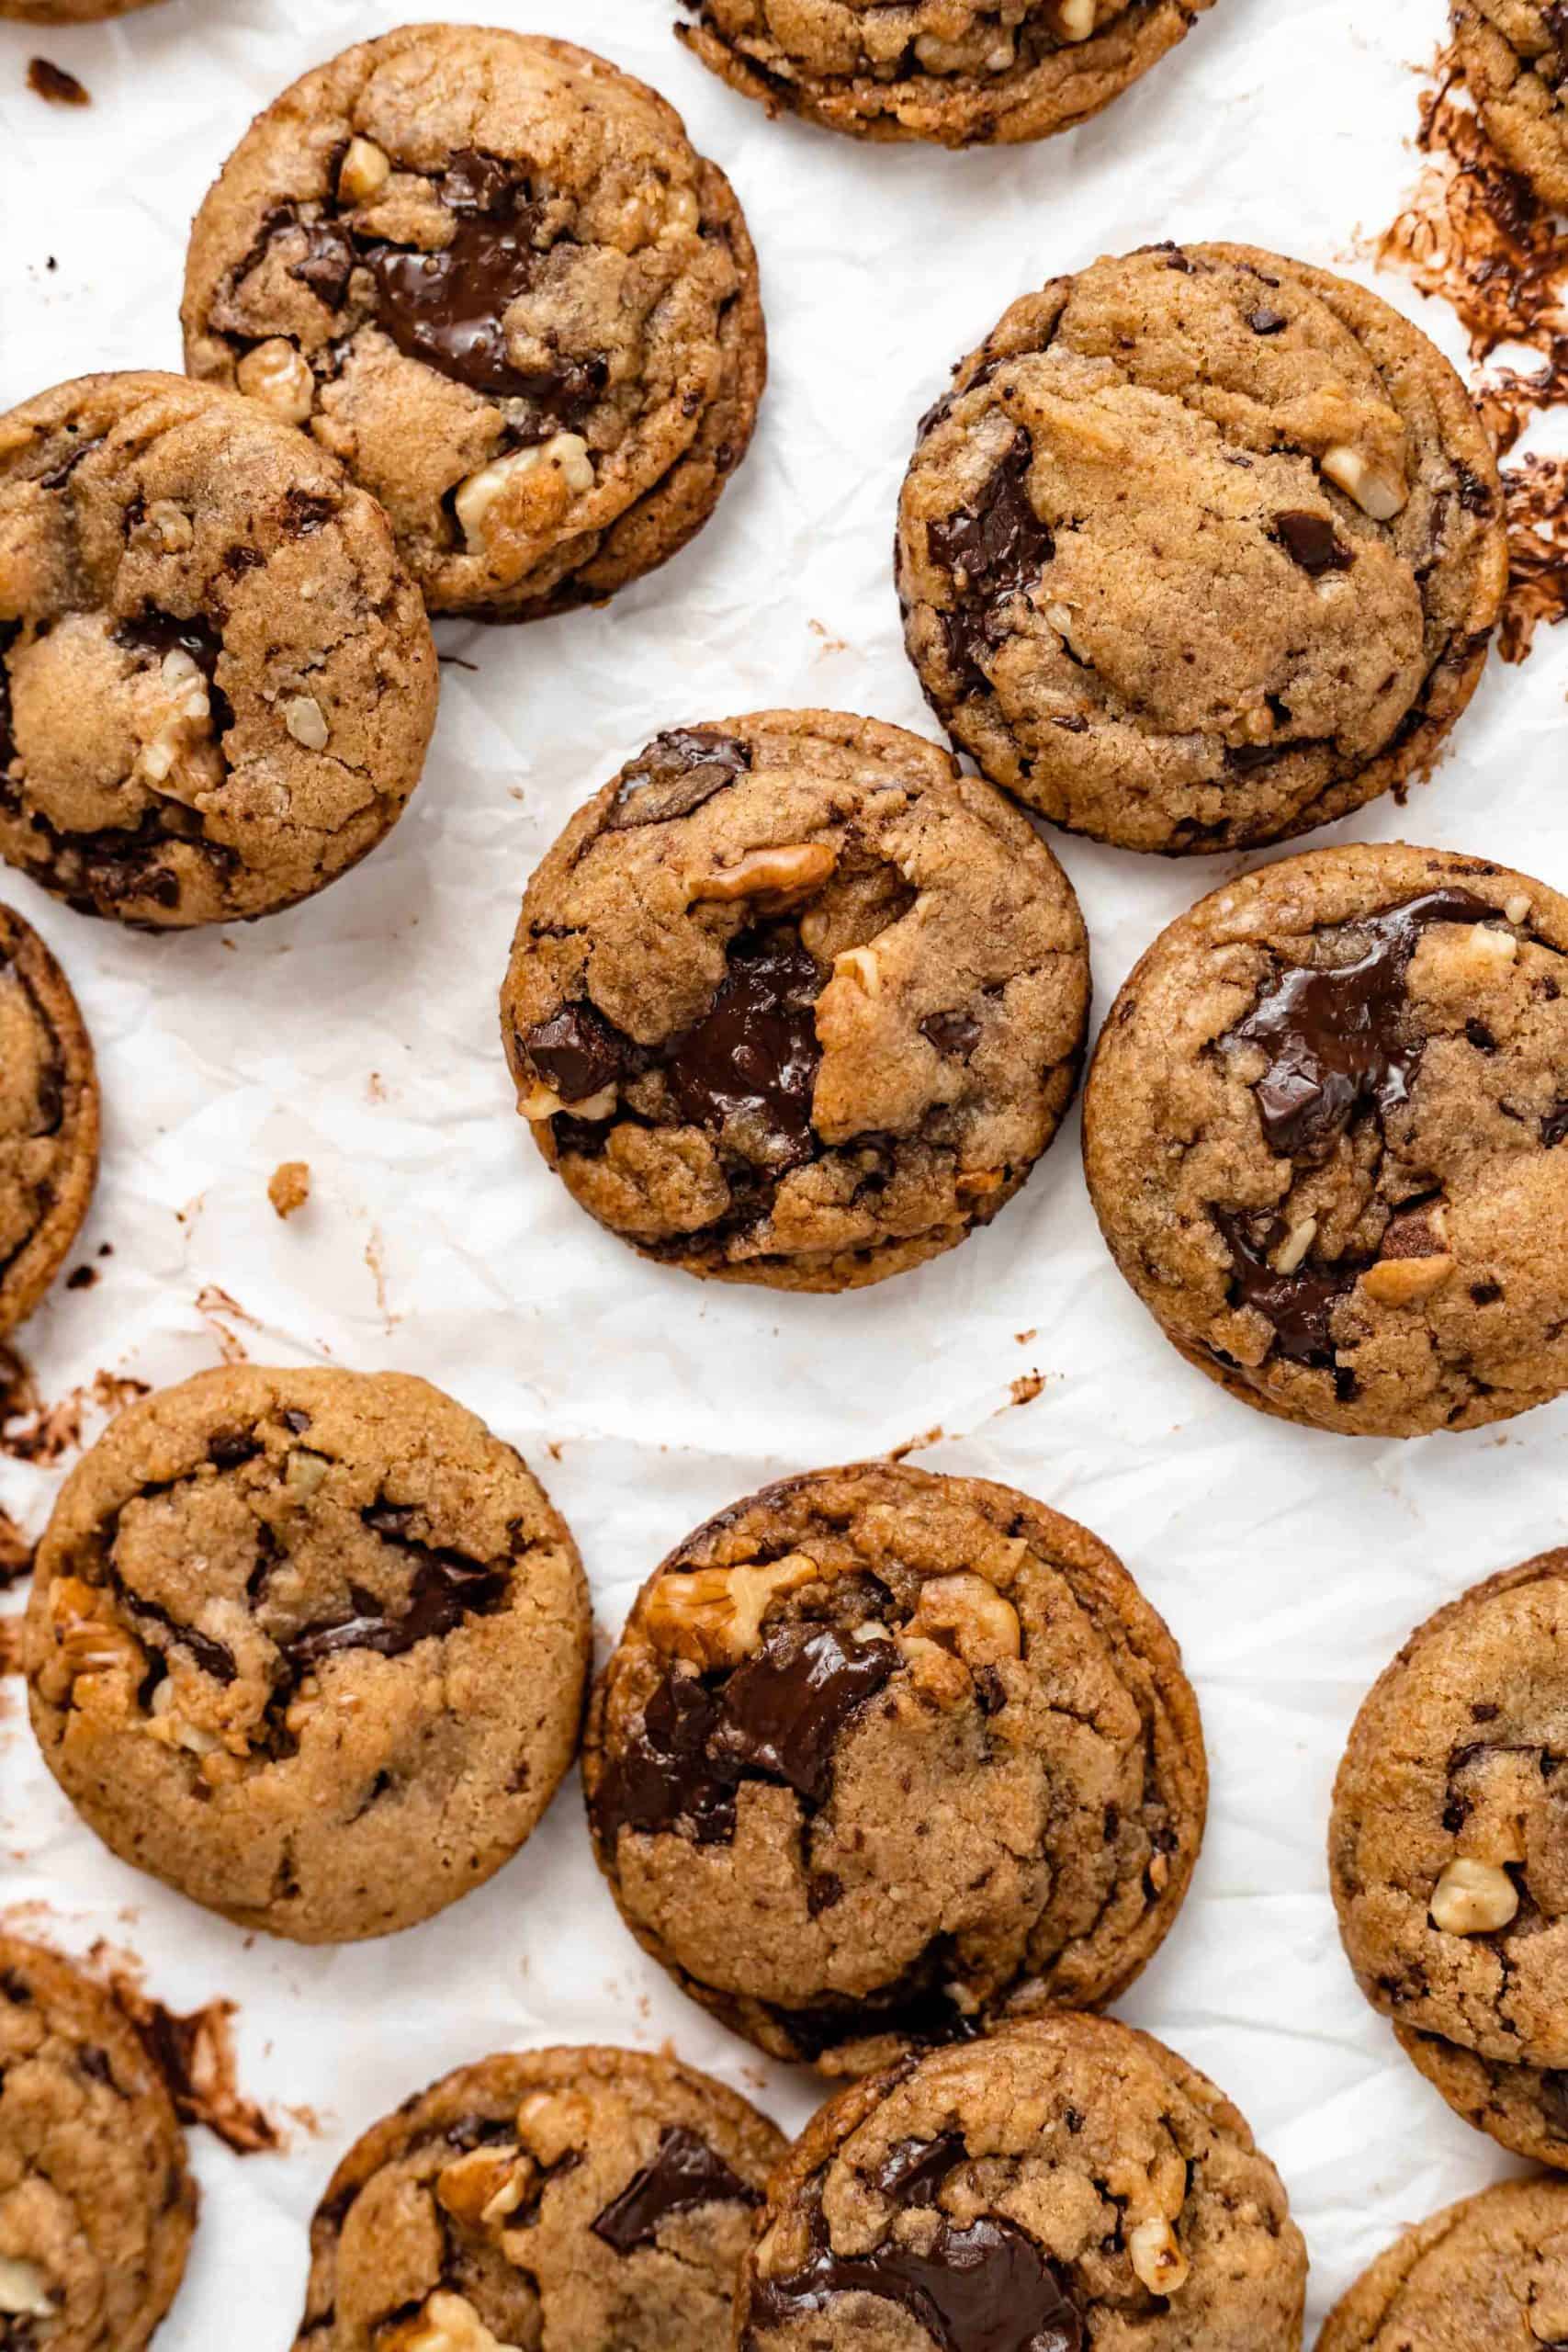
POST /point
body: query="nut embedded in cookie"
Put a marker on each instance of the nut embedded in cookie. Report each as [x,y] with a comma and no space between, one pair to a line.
[884,1756]
[793,1002]
[48,1118]
[1202,550]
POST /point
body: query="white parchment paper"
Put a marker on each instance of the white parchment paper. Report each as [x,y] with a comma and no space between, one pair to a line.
[359,1033]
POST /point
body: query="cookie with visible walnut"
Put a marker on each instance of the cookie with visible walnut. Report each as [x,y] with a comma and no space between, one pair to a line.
[48,1119]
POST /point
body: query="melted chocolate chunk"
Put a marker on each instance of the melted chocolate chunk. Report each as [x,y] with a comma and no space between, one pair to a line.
[1299,1305]
[913,2171]
[778,1718]
[1554,1126]
[445,1589]
[752,1061]
[684,2174]
[951,1033]
[211,1656]
[993,549]
[675,775]
[9,632]
[1311,541]
[576,1052]
[1334,1036]
[985,2287]
[1263,321]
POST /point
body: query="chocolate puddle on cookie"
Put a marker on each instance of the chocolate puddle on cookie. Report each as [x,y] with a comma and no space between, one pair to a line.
[685,2175]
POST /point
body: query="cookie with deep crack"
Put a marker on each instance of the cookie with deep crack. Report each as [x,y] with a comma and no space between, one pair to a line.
[979,72]
[97,2206]
[885,1756]
[793,1002]
[309,1646]
[1202,549]
[1324,1133]
[216,681]
[1491,2273]
[490,273]
[1448,1853]
[1064,2185]
[1514,55]
[48,1119]
[575,2198]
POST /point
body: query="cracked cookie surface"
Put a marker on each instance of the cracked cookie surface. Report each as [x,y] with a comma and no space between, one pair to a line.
[883,1756]
[1490,2272]
[577,2199]
[490,274]
[309,1646]
[958,72]
[96,2207]
[1203,548]
[216,681]
[48,1119]
[1514,55]
[1063,2186]
[1448,1853]
[1324,1137]
[792,1001]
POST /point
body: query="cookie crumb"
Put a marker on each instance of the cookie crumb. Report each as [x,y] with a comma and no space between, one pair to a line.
[55,87]
[290,1187]
[83,1278]
[16,1551]
[1027,1387]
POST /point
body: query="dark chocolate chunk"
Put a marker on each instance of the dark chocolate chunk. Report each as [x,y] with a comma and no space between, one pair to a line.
[913,2171]
[1554,2100]
[1263,321]
[1311,541]
[751,1062]
[1334,1036]
[1299,1305]
[662,1779]
[445,1589]
[212,1656]
[951,1033]
[676,774]
[1554,1126]
[327,263]
[576,1052]
[685,2174]
[994,548]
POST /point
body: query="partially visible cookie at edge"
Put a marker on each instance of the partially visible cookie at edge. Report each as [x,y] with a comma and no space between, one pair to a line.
[881,1756]
[1490,2273]
[970,75]
[793,1002]
[574,2197]
[96,2204]
[309,1645]
[489,271]
[48,1119]
[1514,56]
[217,680]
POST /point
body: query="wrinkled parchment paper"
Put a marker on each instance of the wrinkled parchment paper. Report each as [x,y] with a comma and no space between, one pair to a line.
[359,1033]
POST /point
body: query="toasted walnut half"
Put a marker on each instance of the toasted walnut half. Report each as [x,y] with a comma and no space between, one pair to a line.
[448,2323]
[713,1617]
[776,876]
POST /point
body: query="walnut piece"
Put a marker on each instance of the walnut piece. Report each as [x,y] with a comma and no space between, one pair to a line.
[86,1642]
[534,486]
[713,1617]
[1157,2257]
[23,2291]
[448,2323]
[486,2186]
[307,722]
[288,1188]
[777,876]
[968,1614]
[364,172]
[1473,1899]
[1373,491]
[278,377]
[555,2124]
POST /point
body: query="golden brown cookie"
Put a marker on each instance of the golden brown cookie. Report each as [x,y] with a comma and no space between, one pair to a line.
[309,1645]
[490,273]
[1203,548]
[1064,2185]
[1490,2274]
[579,2199]
[793,1002]
[1514,55]
[96,2207]
[959,72]
[216,681]
[1324,1133]
[48,1119]
[881,1756]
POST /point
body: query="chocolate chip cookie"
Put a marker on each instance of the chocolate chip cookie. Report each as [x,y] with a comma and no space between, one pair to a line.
[309,1645]
[883,1756]
[216,681]
[1324,1132]
[490,273]
[793,1002]
[575,2198]
[48,1119]
[96,2208]
[980,71]
[1514,55]
[1491,2273]
[1202,549]
[1448,1853]
[1065,2184]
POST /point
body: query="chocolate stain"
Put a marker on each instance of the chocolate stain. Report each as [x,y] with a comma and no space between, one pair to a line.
[31,1430]
[55,86]
[195,2054]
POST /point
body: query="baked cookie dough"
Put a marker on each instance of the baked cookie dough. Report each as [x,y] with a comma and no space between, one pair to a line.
[48,1119]
[883,1756]
[1324,1133]
[96,2208]
[217,682]
[489,272]
[1202,549]
[979,71]
[793,1002]
[1065,2184]
[575,2198]
[1448,1853]
[1490,2274]
[1514,55]
[309,1646]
